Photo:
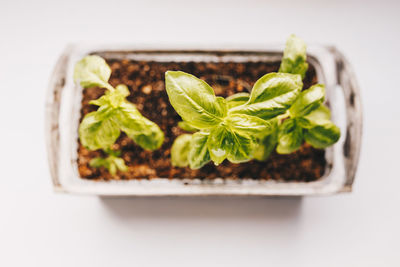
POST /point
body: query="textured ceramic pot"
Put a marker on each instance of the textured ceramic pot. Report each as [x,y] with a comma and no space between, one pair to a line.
[63,112]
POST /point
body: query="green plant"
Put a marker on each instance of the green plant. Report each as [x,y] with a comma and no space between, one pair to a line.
[276,114]
[112,162]
[101,128]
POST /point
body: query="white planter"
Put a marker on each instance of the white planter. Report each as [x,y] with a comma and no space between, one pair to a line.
[63,112]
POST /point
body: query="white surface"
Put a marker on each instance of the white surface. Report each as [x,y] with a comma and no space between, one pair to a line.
[40,228]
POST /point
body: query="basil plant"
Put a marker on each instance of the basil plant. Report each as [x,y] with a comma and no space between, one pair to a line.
[101,128]
[277,114]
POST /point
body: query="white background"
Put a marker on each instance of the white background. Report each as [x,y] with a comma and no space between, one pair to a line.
[41,228]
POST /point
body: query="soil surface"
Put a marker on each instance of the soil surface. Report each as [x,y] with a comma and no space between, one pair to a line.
[146,84]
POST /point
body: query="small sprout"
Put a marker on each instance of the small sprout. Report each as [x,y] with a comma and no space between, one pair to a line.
[100,129]
[294,57]
[111,163]
[242,127]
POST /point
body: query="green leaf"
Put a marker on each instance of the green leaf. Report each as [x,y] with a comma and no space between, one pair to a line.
[249,125]
[294,57]
[129,119]
[304,123]
[113,98]
[143,131]
[290,137]
[237,99]
[111,163]
[271,95]
[198,154]
[180,150]
[98,131]
[267,143]
[125,117]
[224,142]
[319,115]
[322,136]
[152,139]
[187,127]
[194,100]
[120,164]
[92,71]
[308,101]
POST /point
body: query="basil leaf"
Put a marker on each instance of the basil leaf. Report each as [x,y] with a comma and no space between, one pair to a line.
[124,116]
[98,162]
[92,71]
[294,57]
[129,119]
[98,131]
[290,137]
[111,163]
[237,99]
[322,136]
[120,164]
[308,101]
[319,115]
[117,97]
[304,123]
[180,150]
[186,126]
[249,125]
[224,142]
[113,98]
[198,154]
[151,139]
[267,143]
[194,100]
[271,95]
[143,131]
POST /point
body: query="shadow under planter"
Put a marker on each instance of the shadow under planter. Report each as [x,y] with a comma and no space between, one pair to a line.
[230,208]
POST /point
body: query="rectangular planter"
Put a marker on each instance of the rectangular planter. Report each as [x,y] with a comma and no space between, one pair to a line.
[63,112]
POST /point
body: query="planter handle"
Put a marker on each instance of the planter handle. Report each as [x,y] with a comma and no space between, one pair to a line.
[52,112]
[351,91]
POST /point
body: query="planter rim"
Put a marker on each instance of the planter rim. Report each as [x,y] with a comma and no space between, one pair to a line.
[332,69]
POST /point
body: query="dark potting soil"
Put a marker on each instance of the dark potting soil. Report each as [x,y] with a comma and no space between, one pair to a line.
[146,84]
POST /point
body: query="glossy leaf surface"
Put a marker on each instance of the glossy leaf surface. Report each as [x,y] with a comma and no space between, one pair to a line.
[199,154]
[194,100]
[271,95]
[308,101]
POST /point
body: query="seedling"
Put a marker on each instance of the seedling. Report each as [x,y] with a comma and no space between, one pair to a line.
[101,128]
[242,127]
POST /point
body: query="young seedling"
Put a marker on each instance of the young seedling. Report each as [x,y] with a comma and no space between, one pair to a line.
[100,129]
[112,162]
[242,127]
